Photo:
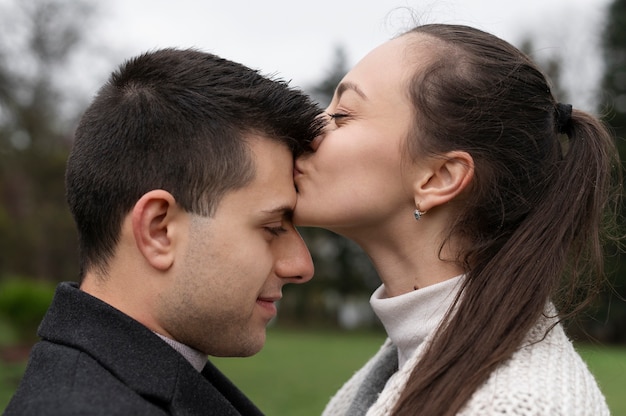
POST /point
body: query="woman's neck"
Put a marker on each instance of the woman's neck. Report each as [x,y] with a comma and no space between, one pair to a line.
[404,258]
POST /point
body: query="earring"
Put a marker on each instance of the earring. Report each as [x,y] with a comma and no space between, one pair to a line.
[418,214]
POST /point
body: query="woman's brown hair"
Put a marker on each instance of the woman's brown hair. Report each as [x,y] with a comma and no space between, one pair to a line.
[533,219]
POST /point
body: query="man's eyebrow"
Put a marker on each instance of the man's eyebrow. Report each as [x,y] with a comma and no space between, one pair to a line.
[347,85]
[283,210]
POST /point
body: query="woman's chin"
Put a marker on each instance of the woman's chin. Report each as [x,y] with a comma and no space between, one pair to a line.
[305,217]
[302,219]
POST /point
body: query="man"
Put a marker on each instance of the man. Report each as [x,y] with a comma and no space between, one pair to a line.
[181,185]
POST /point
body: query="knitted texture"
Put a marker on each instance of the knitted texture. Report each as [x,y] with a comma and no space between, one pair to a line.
[546,376]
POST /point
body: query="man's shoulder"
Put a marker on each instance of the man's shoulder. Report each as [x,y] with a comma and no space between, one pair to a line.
[61,380]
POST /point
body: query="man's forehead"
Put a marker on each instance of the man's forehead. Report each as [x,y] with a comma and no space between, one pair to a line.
[272,188]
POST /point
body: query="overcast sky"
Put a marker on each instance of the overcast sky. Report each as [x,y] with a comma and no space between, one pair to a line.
[296,40]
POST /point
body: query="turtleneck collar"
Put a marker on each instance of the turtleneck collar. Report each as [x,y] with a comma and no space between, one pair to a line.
[410,317]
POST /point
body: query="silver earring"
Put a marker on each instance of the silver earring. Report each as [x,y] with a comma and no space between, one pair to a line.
[418,214]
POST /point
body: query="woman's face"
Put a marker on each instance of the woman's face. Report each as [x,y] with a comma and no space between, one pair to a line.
[356,178]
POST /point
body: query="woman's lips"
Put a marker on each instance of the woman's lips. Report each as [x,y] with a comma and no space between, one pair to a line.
[296,171]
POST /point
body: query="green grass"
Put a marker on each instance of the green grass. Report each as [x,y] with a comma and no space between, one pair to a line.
[10,373]
[608,364]
[299,370]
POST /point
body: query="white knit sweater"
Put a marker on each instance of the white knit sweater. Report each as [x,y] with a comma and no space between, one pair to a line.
[547,377]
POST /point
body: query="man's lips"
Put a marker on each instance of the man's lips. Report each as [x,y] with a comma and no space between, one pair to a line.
[268,303]
[270,298]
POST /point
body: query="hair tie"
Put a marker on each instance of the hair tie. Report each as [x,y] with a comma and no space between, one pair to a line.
[563,118]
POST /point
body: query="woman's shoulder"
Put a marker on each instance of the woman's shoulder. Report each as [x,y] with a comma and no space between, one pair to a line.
[544,376]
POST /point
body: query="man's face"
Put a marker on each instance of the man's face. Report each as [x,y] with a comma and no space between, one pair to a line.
[236,262]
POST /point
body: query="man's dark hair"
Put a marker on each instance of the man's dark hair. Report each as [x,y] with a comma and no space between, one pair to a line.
[176,120]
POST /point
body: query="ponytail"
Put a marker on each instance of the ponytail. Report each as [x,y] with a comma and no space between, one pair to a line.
[534,217]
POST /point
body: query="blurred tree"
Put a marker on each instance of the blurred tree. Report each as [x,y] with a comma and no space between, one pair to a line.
[610,322]
[344,277]
[324,91]
[37,38]
[552,67]
[614,80]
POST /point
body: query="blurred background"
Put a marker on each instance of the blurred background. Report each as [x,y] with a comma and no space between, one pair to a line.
[54,54]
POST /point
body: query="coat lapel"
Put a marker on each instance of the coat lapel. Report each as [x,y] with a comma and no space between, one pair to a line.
[138,357]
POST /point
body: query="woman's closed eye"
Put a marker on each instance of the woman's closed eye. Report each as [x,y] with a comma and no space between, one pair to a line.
[336,116]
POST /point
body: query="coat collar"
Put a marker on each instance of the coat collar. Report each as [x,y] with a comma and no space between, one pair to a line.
[134,354]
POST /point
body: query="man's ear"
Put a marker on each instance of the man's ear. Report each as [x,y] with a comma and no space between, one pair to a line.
[446,177]
[153,220]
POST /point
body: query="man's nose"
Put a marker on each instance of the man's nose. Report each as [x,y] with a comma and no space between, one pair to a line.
[293,260]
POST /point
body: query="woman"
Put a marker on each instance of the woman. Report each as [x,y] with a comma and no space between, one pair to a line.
[480,200]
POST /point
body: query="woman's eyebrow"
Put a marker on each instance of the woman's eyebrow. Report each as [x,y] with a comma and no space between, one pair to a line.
[347,85]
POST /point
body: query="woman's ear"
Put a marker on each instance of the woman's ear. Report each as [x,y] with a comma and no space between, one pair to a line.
[154,218]
[446,177]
